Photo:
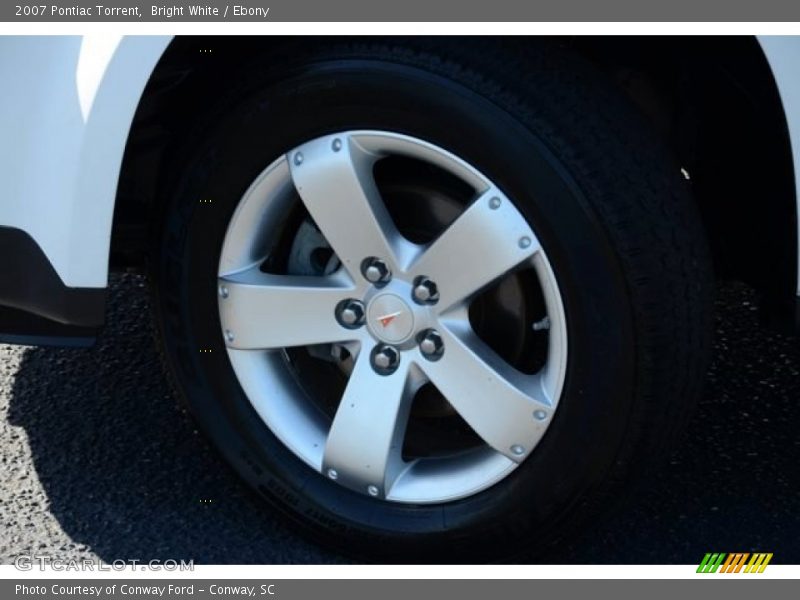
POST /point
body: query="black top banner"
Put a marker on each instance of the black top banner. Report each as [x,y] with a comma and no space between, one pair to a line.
[403,10]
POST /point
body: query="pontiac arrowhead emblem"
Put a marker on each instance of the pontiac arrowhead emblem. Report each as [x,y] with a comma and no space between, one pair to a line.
[386,320]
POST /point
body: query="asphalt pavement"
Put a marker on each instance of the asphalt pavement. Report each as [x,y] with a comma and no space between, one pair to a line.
[98,459]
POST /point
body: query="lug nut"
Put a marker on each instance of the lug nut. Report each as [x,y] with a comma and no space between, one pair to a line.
[430,344]
[385,359]
[376,271]
[425,291]
[350,313]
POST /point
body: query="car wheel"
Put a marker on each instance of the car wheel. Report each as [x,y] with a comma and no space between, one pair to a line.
[432,301]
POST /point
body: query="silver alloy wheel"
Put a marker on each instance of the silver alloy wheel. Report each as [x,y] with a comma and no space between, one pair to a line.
[423,289]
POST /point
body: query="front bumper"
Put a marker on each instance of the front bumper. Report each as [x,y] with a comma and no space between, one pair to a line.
[36,308]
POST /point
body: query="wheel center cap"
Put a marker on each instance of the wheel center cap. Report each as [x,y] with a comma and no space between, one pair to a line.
[390,319]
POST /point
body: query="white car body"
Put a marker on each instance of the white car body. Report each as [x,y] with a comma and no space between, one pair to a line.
[65,115]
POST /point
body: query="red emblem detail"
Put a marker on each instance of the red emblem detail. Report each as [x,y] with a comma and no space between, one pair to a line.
[386,320]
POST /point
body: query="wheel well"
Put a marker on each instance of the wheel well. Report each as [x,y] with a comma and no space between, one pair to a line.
[713,101]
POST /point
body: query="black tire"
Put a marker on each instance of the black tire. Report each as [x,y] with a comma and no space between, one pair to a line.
[608,204]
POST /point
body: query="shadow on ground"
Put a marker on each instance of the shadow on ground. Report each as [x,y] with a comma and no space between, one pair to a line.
[124,469]
[126,473]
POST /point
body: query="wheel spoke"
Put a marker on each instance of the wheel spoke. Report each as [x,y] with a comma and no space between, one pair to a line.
[339,192]
[365,440]
[263,311]
[506,408]
[490,238]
